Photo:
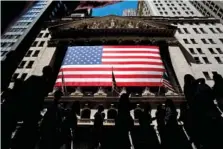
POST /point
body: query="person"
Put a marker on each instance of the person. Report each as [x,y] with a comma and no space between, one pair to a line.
[160,115]
[69,126]
[98,126]
[35,88]
[189,87]
[5,95]
[204,101]
[10,110]
[217,89]
[123,123]
[51,124]
[137,111]
[32,96]
[170,113]
[148,136]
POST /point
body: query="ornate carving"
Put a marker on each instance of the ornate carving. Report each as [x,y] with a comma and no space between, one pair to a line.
[146,93]
[100,93]
[114,22]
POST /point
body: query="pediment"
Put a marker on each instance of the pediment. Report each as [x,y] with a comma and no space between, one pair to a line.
[112,22]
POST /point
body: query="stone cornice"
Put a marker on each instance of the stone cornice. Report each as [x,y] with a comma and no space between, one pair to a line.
[116,40]
[155,18]
[106,101]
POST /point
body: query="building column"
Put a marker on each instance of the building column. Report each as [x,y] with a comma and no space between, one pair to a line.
[179,63]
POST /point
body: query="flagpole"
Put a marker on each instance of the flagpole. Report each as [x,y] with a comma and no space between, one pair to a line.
[113,83]
[160,82]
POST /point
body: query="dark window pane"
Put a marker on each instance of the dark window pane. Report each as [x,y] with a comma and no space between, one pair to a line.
[30,64]
[219,50]
[206,60]
[36,53]
[41,44]
[206,75]
[211,51]
[34,44]
[22,64]
[28,53]
[23,77]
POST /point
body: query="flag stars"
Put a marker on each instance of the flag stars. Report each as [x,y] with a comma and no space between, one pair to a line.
[83,55]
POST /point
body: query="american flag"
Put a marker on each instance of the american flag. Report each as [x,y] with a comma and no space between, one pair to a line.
[166,82]
[94,65]
[95,4]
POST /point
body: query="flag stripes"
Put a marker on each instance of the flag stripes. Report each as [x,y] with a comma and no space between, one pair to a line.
[96,66]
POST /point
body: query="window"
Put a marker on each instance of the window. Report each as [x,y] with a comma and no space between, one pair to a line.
[14,77]
[186,31]
[206,60]
[22,64]
[46,35]
[40,35]
[219,50]
[204,41]
[41,44]
[28,53]
[221,39]
[203,31]
[197,60]
[9,44]
[196,31]
[3,53]
[179,31]
[214,72]
[206,75]
[212,30]
[192,51]
[30,64]
[178,12]
[34,44]
[36,53]
[186,41]
[193,41]
[23,77]
[200,51]
[219,30]
[192,12]
[3,44]
[211,51]
[218,59]
[212,42]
